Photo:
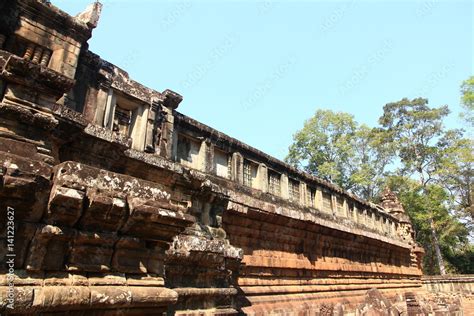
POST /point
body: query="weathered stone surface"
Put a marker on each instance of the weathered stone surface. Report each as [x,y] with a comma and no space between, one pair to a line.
[91,252]
[111,296]
[103,212]
[67,298]
[65,206]
[48,248]
[123,206]
[153,221]
[24,184]
[35,76]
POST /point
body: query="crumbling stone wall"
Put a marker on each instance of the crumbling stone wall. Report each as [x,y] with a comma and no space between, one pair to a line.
[449,283]
[122,205]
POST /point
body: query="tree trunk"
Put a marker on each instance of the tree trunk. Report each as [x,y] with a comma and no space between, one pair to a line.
[439,257]
[434,236]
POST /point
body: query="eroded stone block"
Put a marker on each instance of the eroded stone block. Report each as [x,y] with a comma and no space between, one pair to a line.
[103,212]
[107,296]
[130,255]
[91,252]
[153,222]
[65,206]
[48,248]
[70,297]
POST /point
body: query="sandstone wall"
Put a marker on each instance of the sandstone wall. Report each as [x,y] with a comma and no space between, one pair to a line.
[449,284]
[122,205]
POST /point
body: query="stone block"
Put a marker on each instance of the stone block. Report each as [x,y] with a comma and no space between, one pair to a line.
[24,184]
[110,296]
[23,236]
[153,222]
[65,206]
[91,252]
[143,296]
[62,297]
[130,256]
[107,279]
[48,248]
[103,213]
[144,280]
[21,297]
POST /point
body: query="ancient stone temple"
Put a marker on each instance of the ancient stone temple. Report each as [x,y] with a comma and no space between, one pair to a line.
[114,203]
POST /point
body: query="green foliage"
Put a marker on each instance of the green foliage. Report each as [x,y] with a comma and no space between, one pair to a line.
[423,204]
[372,156]
[426,151]
[411,151]
[334,147]
[467,100]
[461,259]
[416,130]
[456,174]
[323,147]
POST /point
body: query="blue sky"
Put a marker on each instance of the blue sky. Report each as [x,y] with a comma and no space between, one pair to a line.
[257,70]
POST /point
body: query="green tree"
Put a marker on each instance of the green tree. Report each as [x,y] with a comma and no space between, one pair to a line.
[467,100]
[372,155]
[457,173]
[323,147]
[417,134]
[423,204]
[334,147]
[430,167]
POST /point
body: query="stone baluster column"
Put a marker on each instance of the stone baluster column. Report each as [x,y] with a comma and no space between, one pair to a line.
[262,176]
[334,204]
[284,187]
[37,55]
[355,214]
[318,199]
[238,168]
[150,138]
[363,217]
[303,192]
[45,58]
[168,140]
[109,112]
[30,50]
[206,156]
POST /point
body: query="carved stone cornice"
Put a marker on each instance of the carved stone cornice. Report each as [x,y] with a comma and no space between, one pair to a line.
[52,17]
[171,99]
[36,77]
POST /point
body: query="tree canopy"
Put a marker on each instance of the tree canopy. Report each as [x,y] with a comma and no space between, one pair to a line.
[335,147]
[467,100]
[411,151]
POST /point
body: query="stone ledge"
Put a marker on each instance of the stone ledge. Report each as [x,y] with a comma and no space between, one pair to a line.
[36,77]
[245,205]
[192,291]
[67,298]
